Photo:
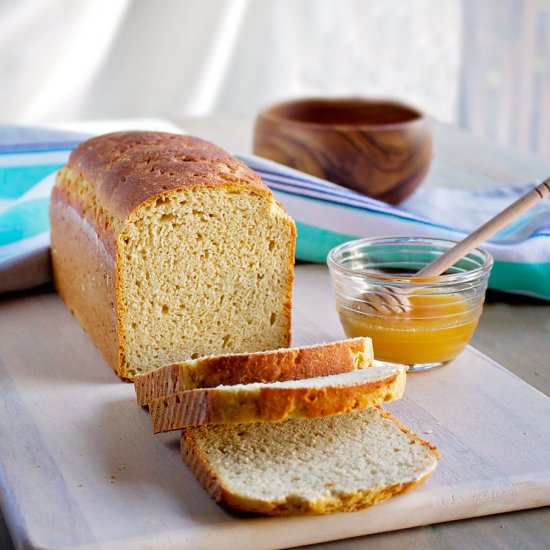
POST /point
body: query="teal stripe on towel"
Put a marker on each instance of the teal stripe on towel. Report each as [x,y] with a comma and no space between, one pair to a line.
[24,220]
[17,180]
[531,279]
[313,244]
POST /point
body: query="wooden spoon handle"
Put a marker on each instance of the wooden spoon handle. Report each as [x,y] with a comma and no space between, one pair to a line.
[488,229]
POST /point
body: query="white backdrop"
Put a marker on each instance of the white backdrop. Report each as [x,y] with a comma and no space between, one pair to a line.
[68,60]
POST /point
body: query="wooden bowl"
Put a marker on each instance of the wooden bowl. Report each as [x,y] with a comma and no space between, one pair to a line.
[380,148]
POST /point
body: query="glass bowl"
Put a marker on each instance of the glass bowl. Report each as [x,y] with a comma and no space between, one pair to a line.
[422,322]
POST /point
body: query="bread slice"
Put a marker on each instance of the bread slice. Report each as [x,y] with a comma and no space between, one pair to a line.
[165,247]
[246,368]
[332,464]
[277,401]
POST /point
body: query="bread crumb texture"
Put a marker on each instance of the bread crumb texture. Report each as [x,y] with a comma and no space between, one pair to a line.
[330,464]
[203,272]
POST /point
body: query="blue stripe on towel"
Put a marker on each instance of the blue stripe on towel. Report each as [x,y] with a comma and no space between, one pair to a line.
[352,199]
[373,212]
[22,148]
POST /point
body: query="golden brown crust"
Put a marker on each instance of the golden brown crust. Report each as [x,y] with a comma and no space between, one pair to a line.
[200,466]
[76,194]
[128,168]
[270,366]
[290,281]
[294,506]
[84,273]
[84,260]
[270,403]
[408,431]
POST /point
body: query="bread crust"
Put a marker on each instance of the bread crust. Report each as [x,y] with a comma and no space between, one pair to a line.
[430,446]
[335,501]
[269,366]
[84,272]
[125,169]
[106,180]
[270,403]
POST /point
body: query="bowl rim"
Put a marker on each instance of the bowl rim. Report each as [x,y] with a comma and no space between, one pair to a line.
[386,278]
[270,113]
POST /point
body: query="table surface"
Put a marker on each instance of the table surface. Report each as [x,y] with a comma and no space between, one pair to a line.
[515,331]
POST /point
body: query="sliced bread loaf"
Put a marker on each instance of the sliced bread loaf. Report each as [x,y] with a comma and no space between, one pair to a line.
[332,464]
[246,368]
[277,401]
[166,247]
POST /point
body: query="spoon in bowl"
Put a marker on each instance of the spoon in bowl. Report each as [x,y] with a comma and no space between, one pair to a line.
[395,301]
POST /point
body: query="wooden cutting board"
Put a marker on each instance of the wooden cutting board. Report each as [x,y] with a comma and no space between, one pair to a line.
[80,467]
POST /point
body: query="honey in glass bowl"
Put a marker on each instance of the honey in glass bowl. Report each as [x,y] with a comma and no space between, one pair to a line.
[435,317]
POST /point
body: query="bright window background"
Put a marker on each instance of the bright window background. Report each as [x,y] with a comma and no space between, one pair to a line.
[480,64]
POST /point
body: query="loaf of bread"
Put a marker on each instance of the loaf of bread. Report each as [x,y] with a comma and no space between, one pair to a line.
[245,368]
[165,248]
[332,464]
[277,401]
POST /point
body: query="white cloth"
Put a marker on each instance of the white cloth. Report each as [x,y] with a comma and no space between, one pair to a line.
[68,60]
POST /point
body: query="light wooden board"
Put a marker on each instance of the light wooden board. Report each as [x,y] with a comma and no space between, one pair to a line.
[80,468]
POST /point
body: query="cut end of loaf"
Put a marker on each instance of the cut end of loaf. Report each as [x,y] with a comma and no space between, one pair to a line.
[203,271]
[331,464]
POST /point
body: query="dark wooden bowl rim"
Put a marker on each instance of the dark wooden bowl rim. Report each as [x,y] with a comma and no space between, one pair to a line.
[285,113]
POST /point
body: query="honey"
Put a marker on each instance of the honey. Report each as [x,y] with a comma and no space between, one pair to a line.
[434,329]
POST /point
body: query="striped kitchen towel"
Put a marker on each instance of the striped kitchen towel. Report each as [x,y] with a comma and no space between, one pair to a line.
[29,158]
[326,215]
